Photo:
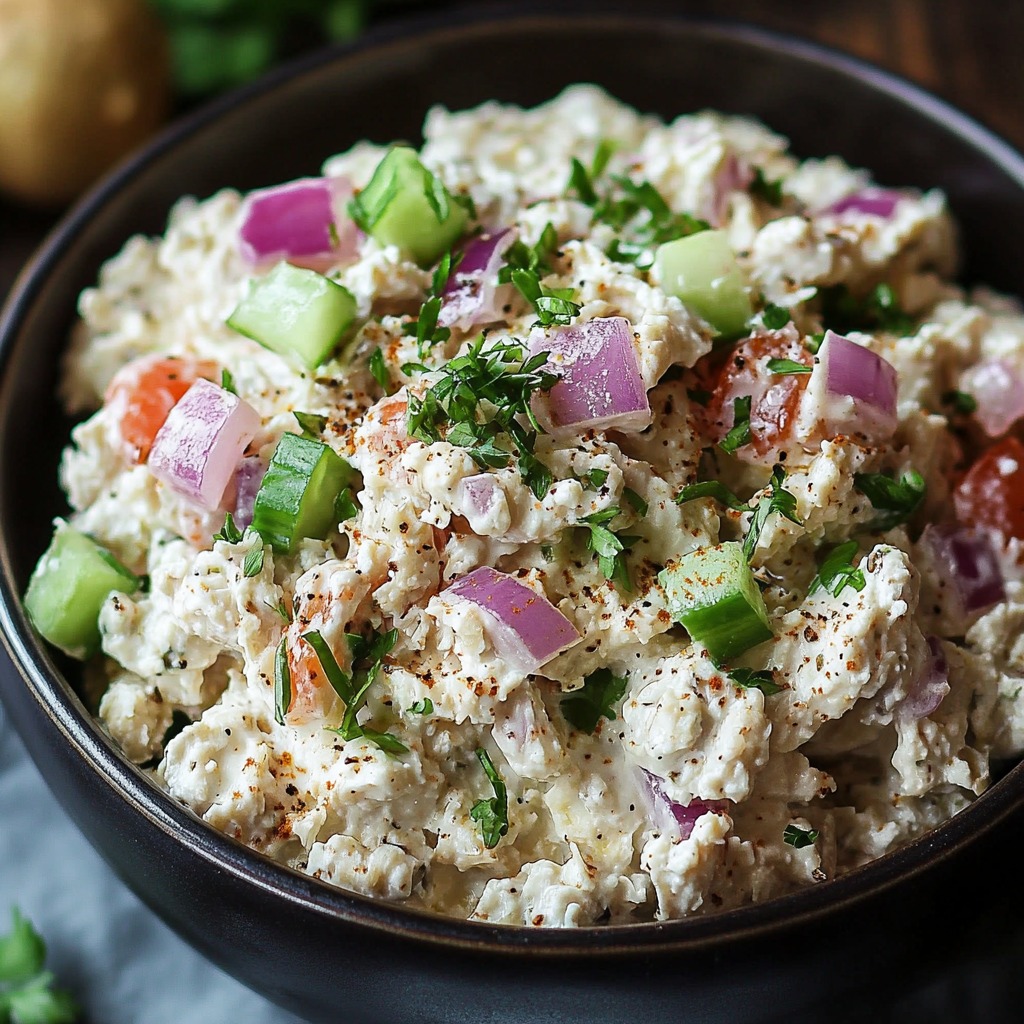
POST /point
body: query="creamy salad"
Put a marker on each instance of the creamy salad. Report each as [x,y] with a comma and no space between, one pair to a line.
[583,519]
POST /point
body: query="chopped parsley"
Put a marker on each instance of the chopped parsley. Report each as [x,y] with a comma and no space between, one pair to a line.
[312,424]
[798,837]
[253,564]
[282,682]
[762,188]
[425,327]
[785,366]
[553,306]
[27,995]
[838,572]
[228,532]
[712,489]
[895,500]
[740,433]
[422,707]
[536,258]
[491,814]
[775,317]
[748,679]
[281,608]
[475,404]
[632,498]
[227,381]
[609,547]
[585,707]
[596,478]
[960,401]
[379,371]
[878,310]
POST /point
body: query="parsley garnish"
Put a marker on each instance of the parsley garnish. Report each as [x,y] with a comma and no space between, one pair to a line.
[552,305]
[536,258]
[282,682]
[740,433]
[762,188]
[596,478]
[379,370]
[610,548]
[26,992]
[227,381]
[253,564]
[837,571]
[712,489]
[311,423]
[961,401]
[281,608]
[634,499]
[800,837]
[475,405]
[229,532]
[878,310]
[422,707]
[585,707]
[491,814]
[748,679]
[784,366]
[775,317]
[895,500]
[425,327]
[580,182]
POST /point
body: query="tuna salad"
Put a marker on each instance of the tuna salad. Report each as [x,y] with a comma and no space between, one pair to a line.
[581,519]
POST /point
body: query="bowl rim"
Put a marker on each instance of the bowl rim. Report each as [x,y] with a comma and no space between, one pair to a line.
[57,700]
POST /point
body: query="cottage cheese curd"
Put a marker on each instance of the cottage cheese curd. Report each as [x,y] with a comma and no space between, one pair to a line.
[869,717]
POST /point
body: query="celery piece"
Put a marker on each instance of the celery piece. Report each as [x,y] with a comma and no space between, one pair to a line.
[67,590]
[406,206]
[297,312]
[713,594]
[702,271]
[297,496]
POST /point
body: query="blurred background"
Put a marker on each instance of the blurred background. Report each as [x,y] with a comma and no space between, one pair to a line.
[85,82]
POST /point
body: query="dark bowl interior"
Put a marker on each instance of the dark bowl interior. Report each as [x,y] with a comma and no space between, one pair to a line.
[323,952]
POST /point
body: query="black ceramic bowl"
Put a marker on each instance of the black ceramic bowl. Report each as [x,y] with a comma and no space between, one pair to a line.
[332,955]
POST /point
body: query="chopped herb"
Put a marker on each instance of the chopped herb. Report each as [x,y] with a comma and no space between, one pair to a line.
[602,154]
[585,707]
[878,310]
[813,342]
[26,992]
[596,478]
[775,317]
[632,498]
[282,682]
[281,608]
[581,184]
[838,572]
[800,837]
[379,371]
[547,552]
[536,258]
[778,501]
[227,381]
[229,532]
[740,433]
[552,305]
[762,188]
[312,424]
[784,366]
[425,327]
[699,395]
[422,707]
[895,500]
[609,548]
[961,402]
[253,564]
[712,489]
[748,679]
[491,814]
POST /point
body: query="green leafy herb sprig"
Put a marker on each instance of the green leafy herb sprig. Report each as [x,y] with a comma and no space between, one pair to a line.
[476,404]
[798,837]
[609,546]
[491,814]
[231,534]
[585,707]
[524,267]
[894,500]
[879,310]
[425,328]
[763,680]
[27,995]
[838,572]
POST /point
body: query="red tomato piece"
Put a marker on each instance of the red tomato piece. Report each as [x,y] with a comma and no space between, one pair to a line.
[992,492]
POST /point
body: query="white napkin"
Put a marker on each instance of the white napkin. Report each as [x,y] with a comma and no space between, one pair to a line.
[122,964]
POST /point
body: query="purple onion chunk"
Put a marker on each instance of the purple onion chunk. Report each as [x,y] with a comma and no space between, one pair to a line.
[999,391]
[931,686]
[669,816]
[867,202]
[472,295]
[248,477]
[969,561]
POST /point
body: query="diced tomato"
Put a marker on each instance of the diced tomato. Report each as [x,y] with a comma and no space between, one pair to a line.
[146,390]
[992,492]
[775,398]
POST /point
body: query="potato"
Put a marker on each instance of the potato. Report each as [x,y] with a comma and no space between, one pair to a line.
[82,82]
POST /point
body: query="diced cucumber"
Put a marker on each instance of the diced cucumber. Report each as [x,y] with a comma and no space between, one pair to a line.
[714,595]
[68,588]
[702,271]
[406,206]
[297,496]
[294,311]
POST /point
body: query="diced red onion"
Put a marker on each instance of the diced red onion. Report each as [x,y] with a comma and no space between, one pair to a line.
[197,449]
[930,687]
[248,477]
[969,561]
[999,391]
[852,390]
[472,295]
[735,175]
[869,202]
[525,628]
[601,385]
[303,222]
[477,497]
[666,814]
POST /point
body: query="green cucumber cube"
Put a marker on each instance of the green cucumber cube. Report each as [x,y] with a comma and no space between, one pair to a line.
[714,595]
[406,206]
[67,590]
[298,493]
[298,312]
[702,270]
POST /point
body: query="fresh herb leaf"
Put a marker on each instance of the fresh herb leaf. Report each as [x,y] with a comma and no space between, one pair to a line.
[536,258]
[740,433]
[229,532]
[748,679]
[609,548]
[775,317]
[762,188]
[580,183]
[340,682]
[778,501]
[422,707]
[379,371]
[282,682]
[311,423]
[491,814]
[838,572]
[553,306]
[385,741]
[800,837]
[602,154]
[786,366]
[585,707]
[227,381]
[961,402]
[895,500]
[425,327]
[878,310]
[281,608]
[22,951]
[712,489]
[253,564]
[465,200]
[596,478]
[633,499]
